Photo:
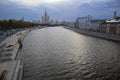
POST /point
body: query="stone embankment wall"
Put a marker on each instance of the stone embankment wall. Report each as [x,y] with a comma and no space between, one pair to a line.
[97,34]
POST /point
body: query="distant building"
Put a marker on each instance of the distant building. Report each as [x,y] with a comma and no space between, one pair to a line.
[84,22]
[45,18]
[64,23]
[77,22]
[72,24]
[102,28]
[52,22]
[118,29]
[95,24]
[111,27]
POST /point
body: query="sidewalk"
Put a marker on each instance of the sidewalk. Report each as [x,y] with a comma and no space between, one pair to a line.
[11,66]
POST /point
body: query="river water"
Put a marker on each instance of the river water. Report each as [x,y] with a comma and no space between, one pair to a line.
[56,53]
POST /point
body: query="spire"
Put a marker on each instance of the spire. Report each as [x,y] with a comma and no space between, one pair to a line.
[45,11]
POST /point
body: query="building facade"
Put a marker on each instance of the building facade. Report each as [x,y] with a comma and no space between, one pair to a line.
[77,23]
[118,30]
[84,22]
[72,24]
[45,18]
[103,28]
[95,24]
[111,27]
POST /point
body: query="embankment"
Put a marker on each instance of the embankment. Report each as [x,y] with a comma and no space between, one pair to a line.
[96,34]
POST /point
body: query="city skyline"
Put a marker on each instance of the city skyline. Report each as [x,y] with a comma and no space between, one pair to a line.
[57,9]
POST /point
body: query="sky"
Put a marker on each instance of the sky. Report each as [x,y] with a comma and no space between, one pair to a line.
[58,9]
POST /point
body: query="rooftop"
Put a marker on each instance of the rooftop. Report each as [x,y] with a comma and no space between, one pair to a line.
[113,21]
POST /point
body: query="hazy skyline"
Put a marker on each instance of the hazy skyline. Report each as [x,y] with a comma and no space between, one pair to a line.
[58,9]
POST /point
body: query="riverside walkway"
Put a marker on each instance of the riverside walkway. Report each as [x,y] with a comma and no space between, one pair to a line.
[9,66]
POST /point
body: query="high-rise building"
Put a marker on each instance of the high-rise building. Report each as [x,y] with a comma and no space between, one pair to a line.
[45,18]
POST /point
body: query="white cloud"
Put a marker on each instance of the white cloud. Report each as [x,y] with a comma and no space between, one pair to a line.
[32,4]
[36,3]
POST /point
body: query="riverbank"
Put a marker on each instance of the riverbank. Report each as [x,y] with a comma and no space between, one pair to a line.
[10,66]
[96,34]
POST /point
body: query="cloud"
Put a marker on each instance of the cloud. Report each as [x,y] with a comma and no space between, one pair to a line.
[36,3]
[113,4]
[59,9]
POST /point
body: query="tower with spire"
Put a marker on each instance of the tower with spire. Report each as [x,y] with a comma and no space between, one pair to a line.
[45,18]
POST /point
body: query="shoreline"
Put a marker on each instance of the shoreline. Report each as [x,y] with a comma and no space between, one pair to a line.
[115,38]
[14,65]
[21,39]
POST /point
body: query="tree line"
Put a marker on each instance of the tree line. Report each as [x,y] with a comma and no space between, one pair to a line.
[14,24]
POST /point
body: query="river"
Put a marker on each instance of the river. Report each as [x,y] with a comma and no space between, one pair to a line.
[56,53]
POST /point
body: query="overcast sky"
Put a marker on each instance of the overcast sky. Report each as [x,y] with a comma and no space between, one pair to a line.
[58,9]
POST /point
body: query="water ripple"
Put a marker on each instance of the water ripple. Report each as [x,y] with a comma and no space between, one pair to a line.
[60,54]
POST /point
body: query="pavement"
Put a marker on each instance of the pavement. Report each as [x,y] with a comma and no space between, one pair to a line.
[2,37]
[12,67]
[3,67]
